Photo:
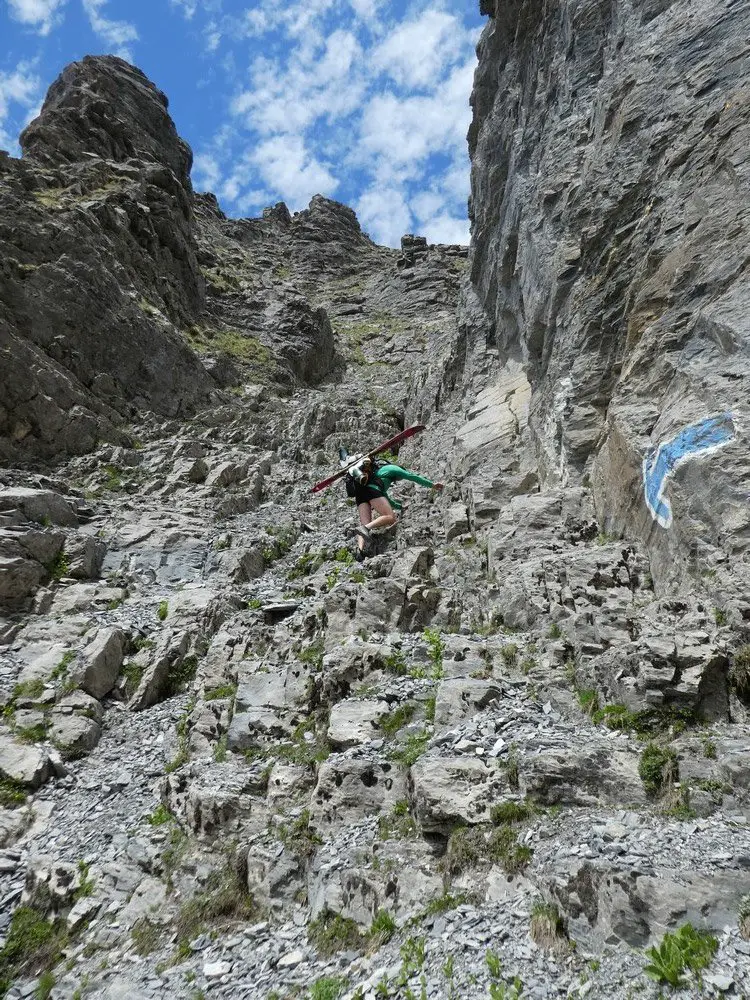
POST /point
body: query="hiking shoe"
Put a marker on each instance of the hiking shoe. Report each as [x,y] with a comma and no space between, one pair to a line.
[364,532]
[359,555]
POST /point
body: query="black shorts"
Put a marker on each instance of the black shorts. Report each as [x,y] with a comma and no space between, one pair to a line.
[364,494]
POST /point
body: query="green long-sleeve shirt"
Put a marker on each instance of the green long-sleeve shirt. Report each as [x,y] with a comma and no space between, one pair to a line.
[390,474]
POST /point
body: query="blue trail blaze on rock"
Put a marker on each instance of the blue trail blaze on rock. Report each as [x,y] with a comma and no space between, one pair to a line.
[660,462]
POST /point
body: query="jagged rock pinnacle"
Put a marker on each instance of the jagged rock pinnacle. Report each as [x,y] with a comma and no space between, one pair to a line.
[104,107]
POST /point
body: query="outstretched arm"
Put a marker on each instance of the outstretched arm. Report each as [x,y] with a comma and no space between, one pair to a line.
[394,472]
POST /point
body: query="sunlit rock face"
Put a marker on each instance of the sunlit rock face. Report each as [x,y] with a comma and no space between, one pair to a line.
[610,170]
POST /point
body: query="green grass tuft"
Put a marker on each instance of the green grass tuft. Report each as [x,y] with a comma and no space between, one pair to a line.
[739,672]
[29,689]
[12,793]
[382,929]
[181,674]
[657,768]
[160,816]
[510,812]
[32,944]
[328,988]
[390,724]
[331,933]
[469,847]
[411,750]
[398,824]
[223,900]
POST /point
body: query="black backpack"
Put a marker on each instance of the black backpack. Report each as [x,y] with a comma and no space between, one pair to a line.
[351,484]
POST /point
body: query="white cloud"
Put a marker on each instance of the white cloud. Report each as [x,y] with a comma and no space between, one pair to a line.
[40,14]
[444,228]
[20,88]
[367,10]
[253,201]
[405,130]
[212,37]
[282,163]
[118,34]
[384,214]
[328,84]
[418,52]
[384,96]
[286,166]
[206,172]
[257,21]
[188,7]
[426,204]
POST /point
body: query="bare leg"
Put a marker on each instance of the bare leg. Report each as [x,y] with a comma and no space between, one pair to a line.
[386,514]
[365,514]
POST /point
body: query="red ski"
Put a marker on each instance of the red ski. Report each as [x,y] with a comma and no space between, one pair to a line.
[391,443]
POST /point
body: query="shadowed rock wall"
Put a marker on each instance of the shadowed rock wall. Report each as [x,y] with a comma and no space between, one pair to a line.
[610,172]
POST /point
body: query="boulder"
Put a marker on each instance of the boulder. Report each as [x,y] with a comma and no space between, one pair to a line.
[74,735]
[460,698]
[287,784]
[604,904]
[401,878]
[456,521]
[582,777]
[99,664]
[50,883]
[85,556]
[354,721]
[42,506]
[171,650]
[347,790]
[446,791]
[25,764]
[19,577]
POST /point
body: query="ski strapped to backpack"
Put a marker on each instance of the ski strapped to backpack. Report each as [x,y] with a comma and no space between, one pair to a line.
[385,446]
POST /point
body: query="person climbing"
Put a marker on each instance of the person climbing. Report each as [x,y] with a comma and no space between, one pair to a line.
[368,483]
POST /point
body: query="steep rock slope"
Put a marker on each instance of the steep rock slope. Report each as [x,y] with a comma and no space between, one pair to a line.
[236,763]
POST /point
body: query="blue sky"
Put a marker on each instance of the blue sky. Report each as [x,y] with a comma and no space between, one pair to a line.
[365,101]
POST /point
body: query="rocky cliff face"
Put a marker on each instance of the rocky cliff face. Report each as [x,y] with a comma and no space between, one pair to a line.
[234,761]
[610,165]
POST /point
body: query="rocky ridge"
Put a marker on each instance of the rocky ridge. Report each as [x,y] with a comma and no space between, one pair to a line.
[500,758]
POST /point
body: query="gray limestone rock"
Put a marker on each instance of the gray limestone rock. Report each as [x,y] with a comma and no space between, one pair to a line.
[19,577]
[401,878]
[99,665]
[581,255]
[350,789]
[606,904]
[25,764]
[41,506]
[75,120]
[576,777]
[115,187]
[461,698]
[85,556]
[50,884]
[450,790]
[167,658]
[354,721]
[208,803]
[287,784]
[75,733]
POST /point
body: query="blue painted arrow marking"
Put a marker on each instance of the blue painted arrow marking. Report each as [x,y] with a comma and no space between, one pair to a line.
[660,463]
